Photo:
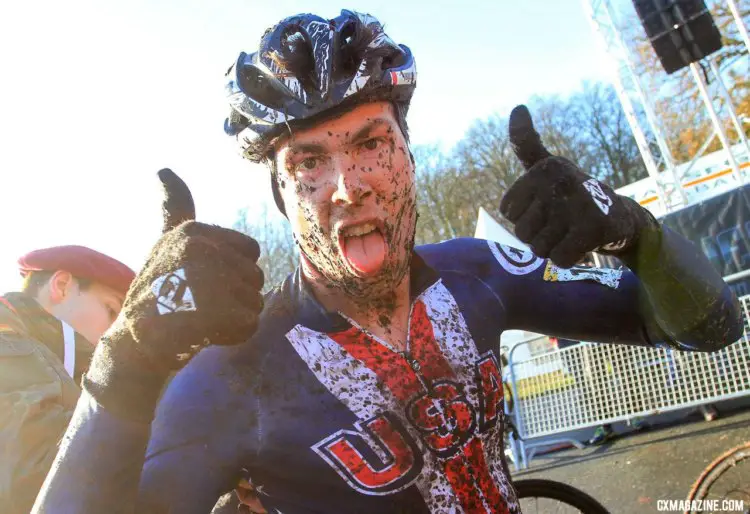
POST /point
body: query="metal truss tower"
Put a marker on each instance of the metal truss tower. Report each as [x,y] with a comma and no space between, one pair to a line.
[636,105]
[640,112]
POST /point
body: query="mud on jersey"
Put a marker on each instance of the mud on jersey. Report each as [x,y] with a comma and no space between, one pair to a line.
[427,417]
[325,418]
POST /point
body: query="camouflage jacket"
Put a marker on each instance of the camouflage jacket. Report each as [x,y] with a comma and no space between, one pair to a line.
[37,397]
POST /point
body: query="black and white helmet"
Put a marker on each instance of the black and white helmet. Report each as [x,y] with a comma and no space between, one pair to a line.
[306,65]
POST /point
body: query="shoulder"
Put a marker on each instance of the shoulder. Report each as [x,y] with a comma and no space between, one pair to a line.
[18,348]
[10,319]
[27,356]
[34,375]
[216,399]
[221,380]
[198,404]
[204,384]
[13,344]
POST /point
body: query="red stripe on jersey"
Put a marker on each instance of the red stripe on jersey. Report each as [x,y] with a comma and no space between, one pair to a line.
[467,470]
[462,482]
[390,367]
[471,481]
[475,457]
[424,348]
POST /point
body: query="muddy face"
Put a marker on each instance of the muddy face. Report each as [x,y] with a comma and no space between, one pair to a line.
[348,189]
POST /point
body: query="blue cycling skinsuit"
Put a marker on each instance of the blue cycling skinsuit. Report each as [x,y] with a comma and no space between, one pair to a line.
[324,417]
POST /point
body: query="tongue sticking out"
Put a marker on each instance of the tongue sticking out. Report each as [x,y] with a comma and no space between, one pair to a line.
[365,253]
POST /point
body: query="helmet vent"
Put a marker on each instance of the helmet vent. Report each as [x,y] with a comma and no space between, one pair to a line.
[354,37]
[297,57]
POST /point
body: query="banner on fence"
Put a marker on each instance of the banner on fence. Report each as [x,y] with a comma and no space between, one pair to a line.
[721,227]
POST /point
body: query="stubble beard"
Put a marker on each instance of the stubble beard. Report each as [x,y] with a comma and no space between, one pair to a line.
[373,292]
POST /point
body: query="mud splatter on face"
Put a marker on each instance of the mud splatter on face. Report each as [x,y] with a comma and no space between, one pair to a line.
[377,183]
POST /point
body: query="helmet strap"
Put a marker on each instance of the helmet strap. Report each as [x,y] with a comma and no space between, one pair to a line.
[276,193]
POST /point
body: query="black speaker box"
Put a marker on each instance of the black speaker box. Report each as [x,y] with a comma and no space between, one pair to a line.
[680,31]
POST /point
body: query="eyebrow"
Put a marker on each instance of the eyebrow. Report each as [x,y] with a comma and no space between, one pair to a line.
[319,148]
[367,128]
[312,148]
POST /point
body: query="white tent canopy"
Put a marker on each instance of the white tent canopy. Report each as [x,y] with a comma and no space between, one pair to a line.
[488,228]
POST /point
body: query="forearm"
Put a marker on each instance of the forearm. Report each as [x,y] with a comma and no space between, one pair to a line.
[98,466]
[683,297]
[200,286]
[101,458]
[122,381]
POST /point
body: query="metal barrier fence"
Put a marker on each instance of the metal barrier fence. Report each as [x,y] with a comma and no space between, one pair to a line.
[591,384]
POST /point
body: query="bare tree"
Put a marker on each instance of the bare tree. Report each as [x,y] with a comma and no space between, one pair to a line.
[610,151]
[589,128]
[278,252]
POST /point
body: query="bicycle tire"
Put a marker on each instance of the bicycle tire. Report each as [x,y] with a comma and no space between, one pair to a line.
[564,493]
[715,469]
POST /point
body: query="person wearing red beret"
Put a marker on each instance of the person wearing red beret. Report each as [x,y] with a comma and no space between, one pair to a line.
[69,298]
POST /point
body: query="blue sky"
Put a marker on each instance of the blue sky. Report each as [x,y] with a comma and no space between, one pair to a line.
[99,95]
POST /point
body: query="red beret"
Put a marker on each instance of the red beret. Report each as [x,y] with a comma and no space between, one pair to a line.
[81,262]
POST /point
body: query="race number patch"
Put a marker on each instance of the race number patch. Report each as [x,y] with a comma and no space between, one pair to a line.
[515,260]
[606,277]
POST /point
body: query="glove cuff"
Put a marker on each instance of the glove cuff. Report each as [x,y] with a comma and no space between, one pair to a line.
[122,380]
[646,243]
[638,232]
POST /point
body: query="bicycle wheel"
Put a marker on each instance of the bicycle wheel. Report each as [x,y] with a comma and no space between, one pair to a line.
[539,496]
[726,478]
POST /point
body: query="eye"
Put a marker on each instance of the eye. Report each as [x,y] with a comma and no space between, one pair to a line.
[310,163]
[371,144]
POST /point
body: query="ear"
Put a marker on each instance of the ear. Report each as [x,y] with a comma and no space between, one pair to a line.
[61,285]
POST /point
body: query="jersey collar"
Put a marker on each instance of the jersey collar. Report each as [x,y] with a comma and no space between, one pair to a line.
[313,315]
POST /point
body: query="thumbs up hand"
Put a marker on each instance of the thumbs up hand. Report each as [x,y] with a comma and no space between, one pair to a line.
[200,286]
[560,211]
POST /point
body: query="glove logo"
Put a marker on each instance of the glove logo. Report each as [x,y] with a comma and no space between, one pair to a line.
[616,246]
[601,199]
[173,293]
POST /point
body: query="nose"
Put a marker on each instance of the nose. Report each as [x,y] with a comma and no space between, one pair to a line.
[352,186]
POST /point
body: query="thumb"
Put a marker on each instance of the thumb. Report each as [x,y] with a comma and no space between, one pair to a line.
[178,205]
[525,140]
